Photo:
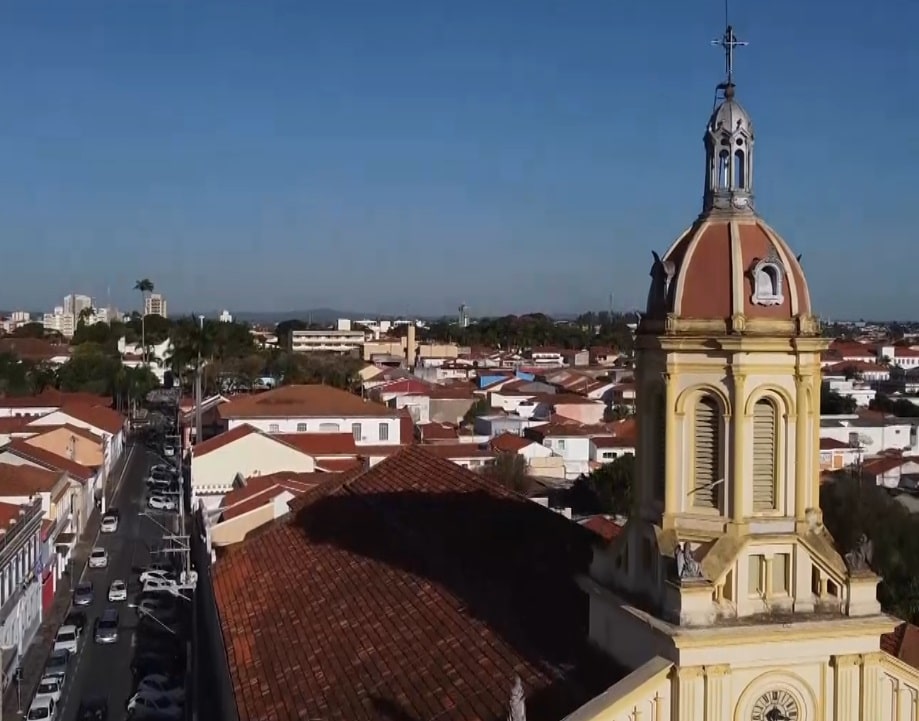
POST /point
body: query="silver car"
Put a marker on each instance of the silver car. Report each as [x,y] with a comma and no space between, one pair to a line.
[83,594]
[107,627]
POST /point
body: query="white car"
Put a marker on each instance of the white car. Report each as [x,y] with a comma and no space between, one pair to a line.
[163,469]
[109,524]
[146,703]
[67,639]
[98,558]
[159,573]
[159,685]
[50,687]
[169,451]
[161,503]
[43,708]
[159,584]
[118,591]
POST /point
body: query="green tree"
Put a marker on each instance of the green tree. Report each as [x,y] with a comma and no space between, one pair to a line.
[510,471]
[143,286]
[29,330]
[608,489]
[832,403]
[480,407]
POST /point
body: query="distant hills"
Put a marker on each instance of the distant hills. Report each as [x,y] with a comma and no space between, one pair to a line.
[317,315]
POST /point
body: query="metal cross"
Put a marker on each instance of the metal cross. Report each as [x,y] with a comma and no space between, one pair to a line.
[728,42]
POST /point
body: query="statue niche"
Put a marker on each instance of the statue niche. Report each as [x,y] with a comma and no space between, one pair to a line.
[662,272]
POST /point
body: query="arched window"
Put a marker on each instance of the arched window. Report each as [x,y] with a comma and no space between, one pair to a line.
[740,169]
[765,426]
[768,281]
[724,165]
[708,449]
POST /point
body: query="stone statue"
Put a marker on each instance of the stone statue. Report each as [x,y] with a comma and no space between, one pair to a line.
[859,558]
[686,566]
[662,273]
[518,711]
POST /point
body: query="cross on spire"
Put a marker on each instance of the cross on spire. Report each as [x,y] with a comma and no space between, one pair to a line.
[728,42]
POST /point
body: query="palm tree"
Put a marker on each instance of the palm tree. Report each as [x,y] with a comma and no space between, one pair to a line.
[145,285]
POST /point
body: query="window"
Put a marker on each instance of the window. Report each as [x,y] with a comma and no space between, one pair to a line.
[739,179]
[329,428]
[356,431]
[755,575]
[764,455]
[780,580]
[301,427]
[767,281]
[724,165]
[708,454]
[273,428]
[384,431]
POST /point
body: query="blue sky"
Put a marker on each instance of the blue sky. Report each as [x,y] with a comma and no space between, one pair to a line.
[408,156]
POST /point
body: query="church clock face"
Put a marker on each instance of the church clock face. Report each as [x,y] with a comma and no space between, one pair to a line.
[776,705]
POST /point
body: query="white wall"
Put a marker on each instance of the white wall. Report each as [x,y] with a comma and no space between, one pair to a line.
[370,427]
[873,439]
[31,411]
[251,455]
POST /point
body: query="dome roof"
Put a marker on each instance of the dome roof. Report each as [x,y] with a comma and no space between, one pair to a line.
[736,270]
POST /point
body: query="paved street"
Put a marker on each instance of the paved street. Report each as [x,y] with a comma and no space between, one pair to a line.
[104,670]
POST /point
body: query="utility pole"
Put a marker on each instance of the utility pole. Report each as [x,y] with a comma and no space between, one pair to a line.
[198,393]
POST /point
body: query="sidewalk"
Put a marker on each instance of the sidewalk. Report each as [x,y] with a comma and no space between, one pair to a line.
[36,655]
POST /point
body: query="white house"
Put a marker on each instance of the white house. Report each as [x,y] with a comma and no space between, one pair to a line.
[862,393]
[316,409]
[871,435]
[605,449]
[243,451]
[104,422]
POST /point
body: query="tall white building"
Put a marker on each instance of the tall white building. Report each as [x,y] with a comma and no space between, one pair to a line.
[75,303]
[225,317]
[155,304]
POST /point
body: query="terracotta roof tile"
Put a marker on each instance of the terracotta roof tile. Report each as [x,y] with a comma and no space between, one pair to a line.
[36,349]
[260,490]
[13,424]
[39,430]
[903,643]
[222,439]
[25,480]
[49,460]
[831,444]
[405,608]
[100,417]
[10,513]
[320,444]
[612,442]
[604,527]
[510,443]
[53,399]
[458,450]
[303,401]
[438,431]
[338,465]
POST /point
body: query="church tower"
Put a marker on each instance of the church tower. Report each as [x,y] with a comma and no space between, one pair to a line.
[725,566]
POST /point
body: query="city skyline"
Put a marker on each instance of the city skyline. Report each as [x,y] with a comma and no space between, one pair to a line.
[297,158]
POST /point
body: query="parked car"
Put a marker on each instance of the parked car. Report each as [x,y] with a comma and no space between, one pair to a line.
[50,686]
[98,558]
[164,471]
[83,594]
[43,709]
[146,705]
[107,627]
[57,664]
[118,591]
[161,685]
[159,573]
[160,585]
[161,503]
[146,663]
[169,450]
[67,639]
[94,709]
[76,618]
[109,523]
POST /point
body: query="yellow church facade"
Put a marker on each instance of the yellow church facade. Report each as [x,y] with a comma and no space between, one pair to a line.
[725,592]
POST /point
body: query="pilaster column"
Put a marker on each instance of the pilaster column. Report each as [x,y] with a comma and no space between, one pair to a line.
[737,446]
[846,684]
[717,696]
[802,428]
[815,441]
[871,684]
[690,693]
[671,492]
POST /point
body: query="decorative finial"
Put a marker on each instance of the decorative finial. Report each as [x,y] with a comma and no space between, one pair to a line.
[728,42]
[517,707]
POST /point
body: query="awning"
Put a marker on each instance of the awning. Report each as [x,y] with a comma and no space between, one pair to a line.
[65,542]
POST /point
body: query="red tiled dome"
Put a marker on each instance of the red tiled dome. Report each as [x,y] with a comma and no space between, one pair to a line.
[725,267]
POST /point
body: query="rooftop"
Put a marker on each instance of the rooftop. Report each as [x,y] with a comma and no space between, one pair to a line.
[408,615]
[303,401]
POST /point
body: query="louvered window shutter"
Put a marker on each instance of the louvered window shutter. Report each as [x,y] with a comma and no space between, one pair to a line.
[707,453]
[764,427]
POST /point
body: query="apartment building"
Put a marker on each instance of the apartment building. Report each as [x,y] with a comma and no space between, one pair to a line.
[155,304]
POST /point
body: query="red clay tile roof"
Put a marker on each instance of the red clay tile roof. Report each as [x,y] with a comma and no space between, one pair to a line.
[338,465]
[831,444]
[612,442]
[260,490]
[438,432]
[883,464]
[97,416]
[13,424]
[320,444]
[39,430]
[510,443]
[855,367]
[25,480]
[222,439]
[903,643]
[458,450]
[303,401]
[47,459]
[604,527]
[53,399]
[402,387]
[408,615]
[9,515]
[36,349]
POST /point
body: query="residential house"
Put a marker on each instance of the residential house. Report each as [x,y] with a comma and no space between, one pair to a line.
[374,547]
[870,372]
[570,405]
[83,481]
[450,402]
[21,572]
[211,424]
[44,403]
[862,393]
[570,441]
[495,424]
[836,455]
[849,352]
[466,455]
[871,432]
[408,393]
[605,449]
[604,356]
[258,500]
[899,356]
[893,471]
[315,409]
[36,350]
[540,460]
[12,427]
[437,432]
[104,422]
[622,395]
[77,444]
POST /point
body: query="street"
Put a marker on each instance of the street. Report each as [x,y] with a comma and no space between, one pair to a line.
[104,670]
